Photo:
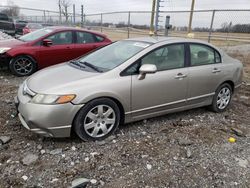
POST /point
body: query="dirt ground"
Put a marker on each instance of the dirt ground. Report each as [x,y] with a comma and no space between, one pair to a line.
[186,149]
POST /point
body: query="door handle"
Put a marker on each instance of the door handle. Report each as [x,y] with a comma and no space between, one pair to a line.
[180,75]
[215,70]
[68,47]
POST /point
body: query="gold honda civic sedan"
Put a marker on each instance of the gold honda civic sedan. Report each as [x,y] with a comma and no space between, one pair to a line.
[127,81]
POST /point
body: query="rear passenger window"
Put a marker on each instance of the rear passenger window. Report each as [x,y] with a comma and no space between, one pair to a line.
[84,37]
[99,39]
[203,55]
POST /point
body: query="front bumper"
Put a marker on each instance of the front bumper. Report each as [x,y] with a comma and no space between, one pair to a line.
[4,60]
[46,120]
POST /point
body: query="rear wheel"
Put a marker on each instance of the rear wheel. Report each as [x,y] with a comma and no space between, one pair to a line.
[22,65]
[222,98]
[97,120]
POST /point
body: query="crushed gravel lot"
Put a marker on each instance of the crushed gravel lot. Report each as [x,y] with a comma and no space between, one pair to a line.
[186,149]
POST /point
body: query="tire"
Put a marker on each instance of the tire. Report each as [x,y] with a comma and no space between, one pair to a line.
[22,65]
[222,98]
[92,123]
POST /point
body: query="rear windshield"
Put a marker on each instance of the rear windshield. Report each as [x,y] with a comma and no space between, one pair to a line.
[34,26]
[4,17]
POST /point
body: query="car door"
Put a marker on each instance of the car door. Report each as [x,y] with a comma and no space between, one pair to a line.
[166,89]
[60,50]
[85,42]
[203,73]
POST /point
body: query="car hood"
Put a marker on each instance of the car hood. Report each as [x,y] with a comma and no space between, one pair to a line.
[11,43]
[57,79]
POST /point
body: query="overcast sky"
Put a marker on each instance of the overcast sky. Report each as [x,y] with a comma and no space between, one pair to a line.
[97,6]
[177,19]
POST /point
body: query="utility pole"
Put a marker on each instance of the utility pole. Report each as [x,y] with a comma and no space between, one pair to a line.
[157,16]
[191,17]
[82,14]
[151,32]
[74,14]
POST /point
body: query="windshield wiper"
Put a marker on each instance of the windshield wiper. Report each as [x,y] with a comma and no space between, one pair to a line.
[78,63]
[91,66]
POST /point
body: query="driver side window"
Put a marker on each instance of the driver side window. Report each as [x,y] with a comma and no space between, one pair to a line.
[61,38]
[167,57]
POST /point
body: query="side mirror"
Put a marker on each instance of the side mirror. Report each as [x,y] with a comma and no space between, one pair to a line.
[47,42]
[146,69]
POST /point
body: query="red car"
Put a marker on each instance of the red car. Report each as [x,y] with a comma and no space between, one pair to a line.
[30,27]
[48,46]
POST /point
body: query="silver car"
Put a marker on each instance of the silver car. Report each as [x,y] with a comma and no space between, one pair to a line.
[127,81]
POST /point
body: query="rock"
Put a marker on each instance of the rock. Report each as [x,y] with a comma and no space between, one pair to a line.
[80,183]
[101,143]
[93,181]
[42,151]
[24,177]
[149,166]
[86,159]
[93,154]
[242,162]
[189,153]
[184,142]
[244,97]
[56,151]
[100,168]
[144,156]
[143,133]
[5,139]
[102,183]
[72,163]
[238,132]
[54,180]
[110,138]
[73,148]
[39,147]
[29,159]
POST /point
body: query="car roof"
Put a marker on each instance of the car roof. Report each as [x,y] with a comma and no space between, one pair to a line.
[63,28]
[159,39]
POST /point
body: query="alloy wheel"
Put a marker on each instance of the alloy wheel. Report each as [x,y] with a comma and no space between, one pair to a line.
[23,66]
[223,98]
[99,121]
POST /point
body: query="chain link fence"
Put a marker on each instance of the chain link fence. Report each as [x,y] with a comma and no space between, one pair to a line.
[221,27]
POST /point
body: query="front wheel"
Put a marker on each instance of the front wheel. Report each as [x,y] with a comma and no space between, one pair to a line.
[97,120]
[22,65]
[222,98]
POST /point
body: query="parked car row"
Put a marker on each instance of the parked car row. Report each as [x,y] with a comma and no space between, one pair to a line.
[20,27]
[7,24]
[126,81]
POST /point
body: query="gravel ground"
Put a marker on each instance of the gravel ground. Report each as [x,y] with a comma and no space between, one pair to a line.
[186,149]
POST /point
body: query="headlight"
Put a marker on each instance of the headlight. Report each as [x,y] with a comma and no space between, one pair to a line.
[3,50]
[52,99]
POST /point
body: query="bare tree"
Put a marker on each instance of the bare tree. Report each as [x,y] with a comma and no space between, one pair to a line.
[63,8]
[12,10]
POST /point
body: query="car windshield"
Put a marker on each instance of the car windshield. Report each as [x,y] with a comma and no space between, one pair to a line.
[111,56]
[35,35]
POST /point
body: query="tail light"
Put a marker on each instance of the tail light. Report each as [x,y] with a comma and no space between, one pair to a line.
[26,30]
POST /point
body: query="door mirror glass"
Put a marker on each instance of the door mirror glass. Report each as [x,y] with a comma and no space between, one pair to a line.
[47,42]
[146,69]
